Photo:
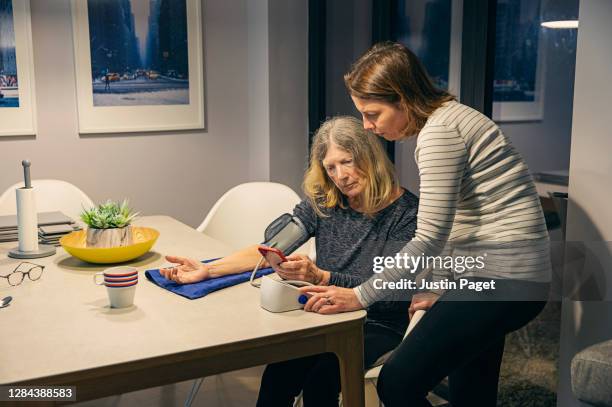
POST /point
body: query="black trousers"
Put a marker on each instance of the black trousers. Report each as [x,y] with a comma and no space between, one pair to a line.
[462,337]
[318,376]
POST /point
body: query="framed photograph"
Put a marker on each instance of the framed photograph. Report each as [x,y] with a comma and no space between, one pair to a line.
[17,103]
[138,65]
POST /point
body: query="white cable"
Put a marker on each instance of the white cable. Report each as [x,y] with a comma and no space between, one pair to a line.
[254,273]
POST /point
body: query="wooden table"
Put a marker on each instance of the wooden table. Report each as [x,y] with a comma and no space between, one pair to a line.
[59,330]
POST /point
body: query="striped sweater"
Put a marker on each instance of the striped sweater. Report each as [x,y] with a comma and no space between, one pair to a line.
[475,191]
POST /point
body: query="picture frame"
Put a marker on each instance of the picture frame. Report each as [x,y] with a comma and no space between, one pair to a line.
[17,88]
[149,85]
[525,111]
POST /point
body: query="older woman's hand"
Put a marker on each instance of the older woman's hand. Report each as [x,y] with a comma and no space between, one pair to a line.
[301,267]
[186,271]
[330,299]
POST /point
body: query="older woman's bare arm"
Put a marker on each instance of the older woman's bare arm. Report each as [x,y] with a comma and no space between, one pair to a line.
[191,271]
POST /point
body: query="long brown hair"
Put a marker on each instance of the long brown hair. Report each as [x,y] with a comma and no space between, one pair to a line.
[390,72]
[370,160]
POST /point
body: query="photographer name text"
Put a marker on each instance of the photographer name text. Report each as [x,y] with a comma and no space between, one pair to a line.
[460,284]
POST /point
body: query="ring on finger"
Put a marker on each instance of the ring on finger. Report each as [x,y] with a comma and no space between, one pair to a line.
[320,303]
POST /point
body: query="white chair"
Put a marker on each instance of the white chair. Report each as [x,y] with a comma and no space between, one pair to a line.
[51,195]
[371,375]
[240,217]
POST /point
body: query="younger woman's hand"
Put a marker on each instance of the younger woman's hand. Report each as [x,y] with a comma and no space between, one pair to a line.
[186,271]
[422,301]
[301,267]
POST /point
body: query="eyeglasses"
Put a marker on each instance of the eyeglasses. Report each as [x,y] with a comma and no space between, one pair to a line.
[32,270]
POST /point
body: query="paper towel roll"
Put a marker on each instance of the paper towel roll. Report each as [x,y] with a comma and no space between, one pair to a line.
[27,220]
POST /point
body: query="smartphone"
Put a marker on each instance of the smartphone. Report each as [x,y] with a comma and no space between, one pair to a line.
[273,255]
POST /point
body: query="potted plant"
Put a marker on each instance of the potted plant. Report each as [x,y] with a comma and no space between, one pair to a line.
[109,224]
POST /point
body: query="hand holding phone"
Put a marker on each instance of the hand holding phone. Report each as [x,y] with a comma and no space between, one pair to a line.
[273,255]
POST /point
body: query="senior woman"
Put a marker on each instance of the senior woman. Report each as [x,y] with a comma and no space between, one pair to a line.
[356,210]
[476,197]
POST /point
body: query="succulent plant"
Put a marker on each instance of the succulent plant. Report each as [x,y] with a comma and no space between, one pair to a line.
[108,215]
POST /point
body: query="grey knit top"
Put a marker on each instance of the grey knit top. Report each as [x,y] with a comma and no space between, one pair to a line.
[347,242]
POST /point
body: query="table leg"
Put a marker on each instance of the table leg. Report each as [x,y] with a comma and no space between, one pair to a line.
[348,347]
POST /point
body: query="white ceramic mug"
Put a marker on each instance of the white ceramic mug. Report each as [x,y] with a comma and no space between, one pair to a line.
[121,297]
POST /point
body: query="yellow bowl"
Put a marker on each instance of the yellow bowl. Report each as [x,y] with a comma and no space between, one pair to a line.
[75,244]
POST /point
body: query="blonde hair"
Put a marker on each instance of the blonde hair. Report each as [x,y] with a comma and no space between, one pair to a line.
[370,161]
[391,73]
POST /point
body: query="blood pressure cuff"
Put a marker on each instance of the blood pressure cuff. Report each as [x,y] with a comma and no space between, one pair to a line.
[286,233]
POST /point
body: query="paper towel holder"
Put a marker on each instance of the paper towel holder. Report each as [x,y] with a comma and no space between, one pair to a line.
[27,222]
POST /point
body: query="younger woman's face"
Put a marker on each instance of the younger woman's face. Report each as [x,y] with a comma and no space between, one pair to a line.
[385,119]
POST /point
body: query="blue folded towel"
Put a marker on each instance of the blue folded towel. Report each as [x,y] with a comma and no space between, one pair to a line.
[197,290]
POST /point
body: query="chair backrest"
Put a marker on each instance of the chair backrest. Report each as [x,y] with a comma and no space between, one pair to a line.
[51,195]
[240,217]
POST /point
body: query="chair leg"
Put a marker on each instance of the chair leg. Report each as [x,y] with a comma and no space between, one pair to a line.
[194,391]
[372,381]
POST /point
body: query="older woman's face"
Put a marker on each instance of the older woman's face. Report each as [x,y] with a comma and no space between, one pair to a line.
[385,119]
[341,168]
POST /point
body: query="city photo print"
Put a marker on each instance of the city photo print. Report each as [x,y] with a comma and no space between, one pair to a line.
[139,53]
[138,65]
[9,85]
[17,95]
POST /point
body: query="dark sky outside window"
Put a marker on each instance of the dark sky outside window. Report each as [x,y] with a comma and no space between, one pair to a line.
[516,50]
[424,27]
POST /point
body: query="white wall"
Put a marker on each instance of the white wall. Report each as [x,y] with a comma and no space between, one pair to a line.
[180,174]
[589,217]
[288,77]
[259,89]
